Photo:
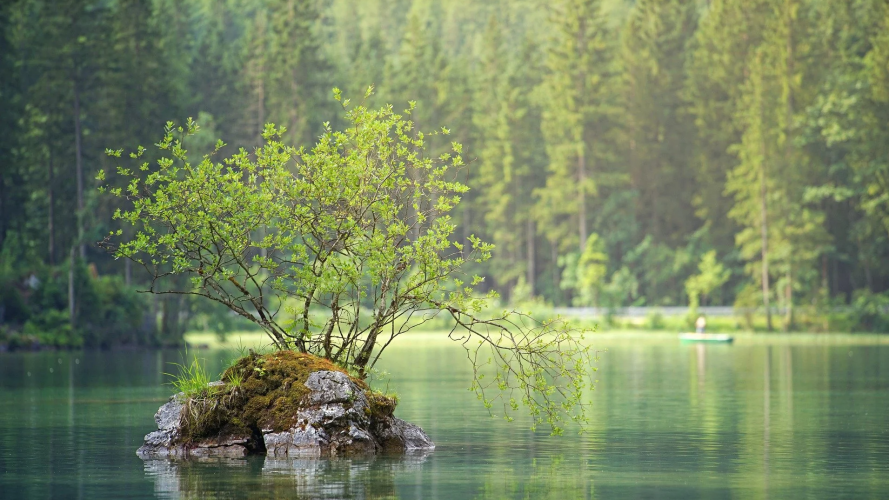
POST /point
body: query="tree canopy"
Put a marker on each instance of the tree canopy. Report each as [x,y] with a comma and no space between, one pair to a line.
[339,249]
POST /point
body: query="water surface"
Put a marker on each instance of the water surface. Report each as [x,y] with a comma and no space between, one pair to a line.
[761,420]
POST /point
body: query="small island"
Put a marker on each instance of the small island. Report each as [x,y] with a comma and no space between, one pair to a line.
[283,404]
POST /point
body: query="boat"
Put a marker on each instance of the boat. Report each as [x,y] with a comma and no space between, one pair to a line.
[721,338]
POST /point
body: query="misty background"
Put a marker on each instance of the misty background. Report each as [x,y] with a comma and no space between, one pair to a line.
[620,153]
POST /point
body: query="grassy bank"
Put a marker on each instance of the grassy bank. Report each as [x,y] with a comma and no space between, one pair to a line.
[258,340]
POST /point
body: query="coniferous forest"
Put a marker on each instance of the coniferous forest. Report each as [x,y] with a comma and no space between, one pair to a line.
[619,152]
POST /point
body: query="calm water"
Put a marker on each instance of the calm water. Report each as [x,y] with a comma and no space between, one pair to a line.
[669,421]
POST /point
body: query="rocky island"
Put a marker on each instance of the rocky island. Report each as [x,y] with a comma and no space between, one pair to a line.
[284,404]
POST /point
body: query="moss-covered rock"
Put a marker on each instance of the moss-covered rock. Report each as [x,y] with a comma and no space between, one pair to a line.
[282,404]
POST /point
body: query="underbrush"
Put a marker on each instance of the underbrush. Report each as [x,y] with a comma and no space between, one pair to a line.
[34,309]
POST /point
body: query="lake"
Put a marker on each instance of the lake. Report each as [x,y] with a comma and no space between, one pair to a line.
[768,417]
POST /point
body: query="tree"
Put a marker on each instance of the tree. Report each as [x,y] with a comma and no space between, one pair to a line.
[719,61]
[577,115]
[347,271]
[590,270]
[770,182]
[657,127]
[711,276]
[657,140]
[510,165]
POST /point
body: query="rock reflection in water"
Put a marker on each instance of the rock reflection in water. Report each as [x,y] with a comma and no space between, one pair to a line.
[265,477]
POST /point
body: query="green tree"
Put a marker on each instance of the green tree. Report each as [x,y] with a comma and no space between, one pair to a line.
[718,63]
[578,114]
[770,182]
[347,272]
[711,276]
[591,271]
[658,138]
[508,170]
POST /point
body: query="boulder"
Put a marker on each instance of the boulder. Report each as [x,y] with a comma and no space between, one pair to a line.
[321,413]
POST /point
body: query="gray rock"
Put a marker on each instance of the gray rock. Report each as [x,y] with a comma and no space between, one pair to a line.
[334,387]
[161,443]
[168,415]
[395,434]
[337,421]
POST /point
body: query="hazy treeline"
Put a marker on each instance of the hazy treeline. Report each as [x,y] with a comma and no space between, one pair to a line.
[656,152]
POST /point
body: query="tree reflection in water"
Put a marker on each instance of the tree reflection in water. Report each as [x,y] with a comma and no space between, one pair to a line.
[263,477]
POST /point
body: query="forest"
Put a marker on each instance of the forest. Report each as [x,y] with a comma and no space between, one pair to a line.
[619,152]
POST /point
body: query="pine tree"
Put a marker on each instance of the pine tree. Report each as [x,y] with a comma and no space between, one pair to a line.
[508,169]
[658,138]
[577,116]
[718,64]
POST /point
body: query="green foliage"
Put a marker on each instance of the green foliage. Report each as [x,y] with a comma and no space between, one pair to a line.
[711,276]
[622,289]
[870,311]
[53,328]
[668,127]
[360,221]
[302,242]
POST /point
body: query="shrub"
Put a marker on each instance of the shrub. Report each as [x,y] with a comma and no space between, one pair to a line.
[870,311]
[52,327]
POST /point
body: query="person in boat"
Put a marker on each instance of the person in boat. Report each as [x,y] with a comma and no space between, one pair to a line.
[700,324]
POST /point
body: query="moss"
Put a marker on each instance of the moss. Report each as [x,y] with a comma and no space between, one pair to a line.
[270,392]
[381,405]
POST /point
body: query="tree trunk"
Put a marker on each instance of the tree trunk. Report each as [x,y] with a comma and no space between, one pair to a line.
[788,299]
[531,272]
[50,229]
[763,194]
[554,254]
[788,153]
[2,210]
[78,151]
[765,251]
[71,301]
[581,198]
[260,107]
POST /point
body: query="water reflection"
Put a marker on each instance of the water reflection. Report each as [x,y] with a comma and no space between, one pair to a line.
[262,477]
[668,421]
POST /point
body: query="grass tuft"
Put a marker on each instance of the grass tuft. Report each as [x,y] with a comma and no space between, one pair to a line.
[235,378]
[192,379]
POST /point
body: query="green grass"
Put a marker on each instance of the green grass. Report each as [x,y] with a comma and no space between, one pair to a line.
[235,378]
[192,378]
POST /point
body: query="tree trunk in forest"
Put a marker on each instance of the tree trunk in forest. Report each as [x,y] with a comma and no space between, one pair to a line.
[260,123]
[2,210]
[151,324]
[529,230]
[763,194]
[788,300]
[78,151]
[581,198]
[554,254]
[50,219]
[765,249]
[788,153]
[71,301]
[170,319]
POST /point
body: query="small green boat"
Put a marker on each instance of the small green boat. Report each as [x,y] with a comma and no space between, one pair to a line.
[720,338]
